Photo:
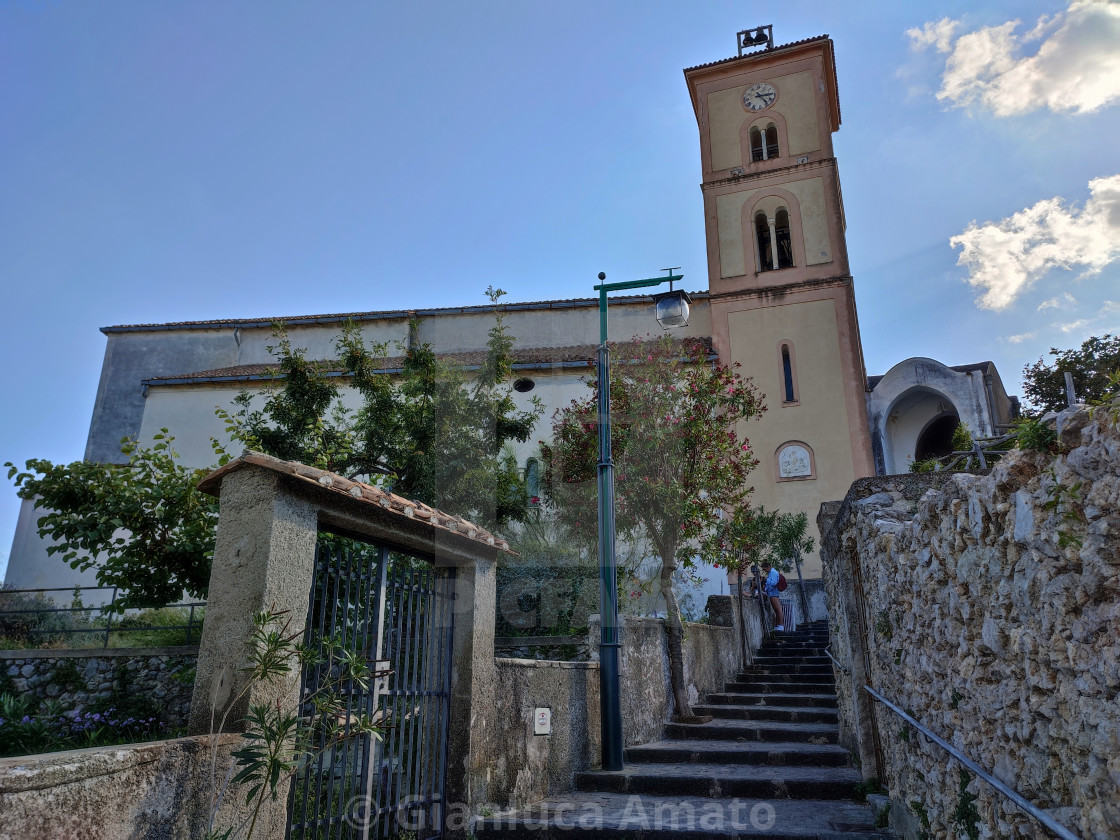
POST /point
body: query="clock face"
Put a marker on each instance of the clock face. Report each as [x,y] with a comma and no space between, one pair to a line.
[758,96]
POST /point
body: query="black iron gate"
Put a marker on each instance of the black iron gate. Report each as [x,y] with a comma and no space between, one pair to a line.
[395,611]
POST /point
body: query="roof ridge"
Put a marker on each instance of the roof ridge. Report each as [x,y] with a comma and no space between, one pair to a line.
[377,314]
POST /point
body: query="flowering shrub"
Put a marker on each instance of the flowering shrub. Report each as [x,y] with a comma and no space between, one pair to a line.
[26,729]
[678,419]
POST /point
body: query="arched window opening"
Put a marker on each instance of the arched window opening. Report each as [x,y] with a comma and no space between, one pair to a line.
[533,482]
[789,392]
[757,145]
[771,139]
[785,245]
[762,236]
[936,439]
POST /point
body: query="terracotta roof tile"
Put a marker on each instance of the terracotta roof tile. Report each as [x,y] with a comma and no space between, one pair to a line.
[375,498]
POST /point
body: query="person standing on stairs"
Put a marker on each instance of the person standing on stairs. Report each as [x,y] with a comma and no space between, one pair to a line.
[770,587]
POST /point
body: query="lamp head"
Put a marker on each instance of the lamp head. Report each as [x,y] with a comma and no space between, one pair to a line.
[671,309]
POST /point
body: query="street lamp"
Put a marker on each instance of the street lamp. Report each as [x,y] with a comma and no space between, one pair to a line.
[610,701]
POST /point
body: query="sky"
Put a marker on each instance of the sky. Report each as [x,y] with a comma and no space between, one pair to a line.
[179,161]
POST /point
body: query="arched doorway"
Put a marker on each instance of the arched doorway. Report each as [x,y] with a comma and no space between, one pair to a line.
[936,439]
[919,425]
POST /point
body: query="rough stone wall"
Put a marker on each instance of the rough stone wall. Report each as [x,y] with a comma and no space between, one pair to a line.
[158,790]
[991,605]
[79,678]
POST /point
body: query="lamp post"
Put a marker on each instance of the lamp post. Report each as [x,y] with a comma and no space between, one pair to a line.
[671,311]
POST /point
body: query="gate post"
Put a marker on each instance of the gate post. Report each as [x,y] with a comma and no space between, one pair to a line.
[264,559]
[473,686]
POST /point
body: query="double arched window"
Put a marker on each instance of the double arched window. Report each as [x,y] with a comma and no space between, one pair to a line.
[772,236]
[764,142]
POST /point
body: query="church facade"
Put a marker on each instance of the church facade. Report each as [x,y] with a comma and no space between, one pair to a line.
[780,303]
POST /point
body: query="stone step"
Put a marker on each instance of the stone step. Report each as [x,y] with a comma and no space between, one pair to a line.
[820,639]
[791,659]
[793,714]
[814,652]
[613,816]
[708,751]
[784,677]
[755,730]
[723,780]
[765,686]
[789,668]
[775,699]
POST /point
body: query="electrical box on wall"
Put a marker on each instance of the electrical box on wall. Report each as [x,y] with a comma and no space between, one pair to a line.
[542,722]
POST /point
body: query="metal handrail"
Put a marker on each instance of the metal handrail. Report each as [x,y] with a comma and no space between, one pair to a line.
[1032,810]
[827,653]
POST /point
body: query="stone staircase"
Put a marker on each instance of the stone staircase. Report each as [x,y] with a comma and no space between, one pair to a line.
[767,765]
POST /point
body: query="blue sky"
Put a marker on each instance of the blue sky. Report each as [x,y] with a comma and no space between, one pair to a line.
[175,161]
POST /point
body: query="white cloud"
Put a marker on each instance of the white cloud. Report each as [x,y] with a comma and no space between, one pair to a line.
[1004,258]
[938,35]
[1075,68]
[1111,306]
[1021,337]
[1073,326]
[1064,302]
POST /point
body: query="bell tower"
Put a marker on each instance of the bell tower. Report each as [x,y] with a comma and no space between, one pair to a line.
[781,294]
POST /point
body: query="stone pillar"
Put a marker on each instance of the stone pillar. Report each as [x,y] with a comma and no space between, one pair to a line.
[264,558]
[773,241]
[473,686]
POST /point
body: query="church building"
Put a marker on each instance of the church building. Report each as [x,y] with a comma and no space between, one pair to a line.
[780,302]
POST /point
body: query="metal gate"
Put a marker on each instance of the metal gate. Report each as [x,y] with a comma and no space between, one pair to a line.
[395,611]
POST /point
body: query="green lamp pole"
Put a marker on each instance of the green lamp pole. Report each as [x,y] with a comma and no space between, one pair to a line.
[672,311]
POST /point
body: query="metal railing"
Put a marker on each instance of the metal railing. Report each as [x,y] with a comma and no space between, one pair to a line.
[828,653]
[1032,810]
[984,452]
[82,622]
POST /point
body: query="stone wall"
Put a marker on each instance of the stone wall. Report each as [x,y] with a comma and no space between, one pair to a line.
[987,607]
[524,768]
[154,790]
[79,678]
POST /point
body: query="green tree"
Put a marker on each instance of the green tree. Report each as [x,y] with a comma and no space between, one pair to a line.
[1091,366]
[433,436]
[142,525]
[679,460]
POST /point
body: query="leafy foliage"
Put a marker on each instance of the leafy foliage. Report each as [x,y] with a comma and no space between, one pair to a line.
[28,727]
[1036,434]
[278,740]
[550,587]
[433,436]
[1090,365]
[679,460]
[961,440]
[754,535]
[143,525]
